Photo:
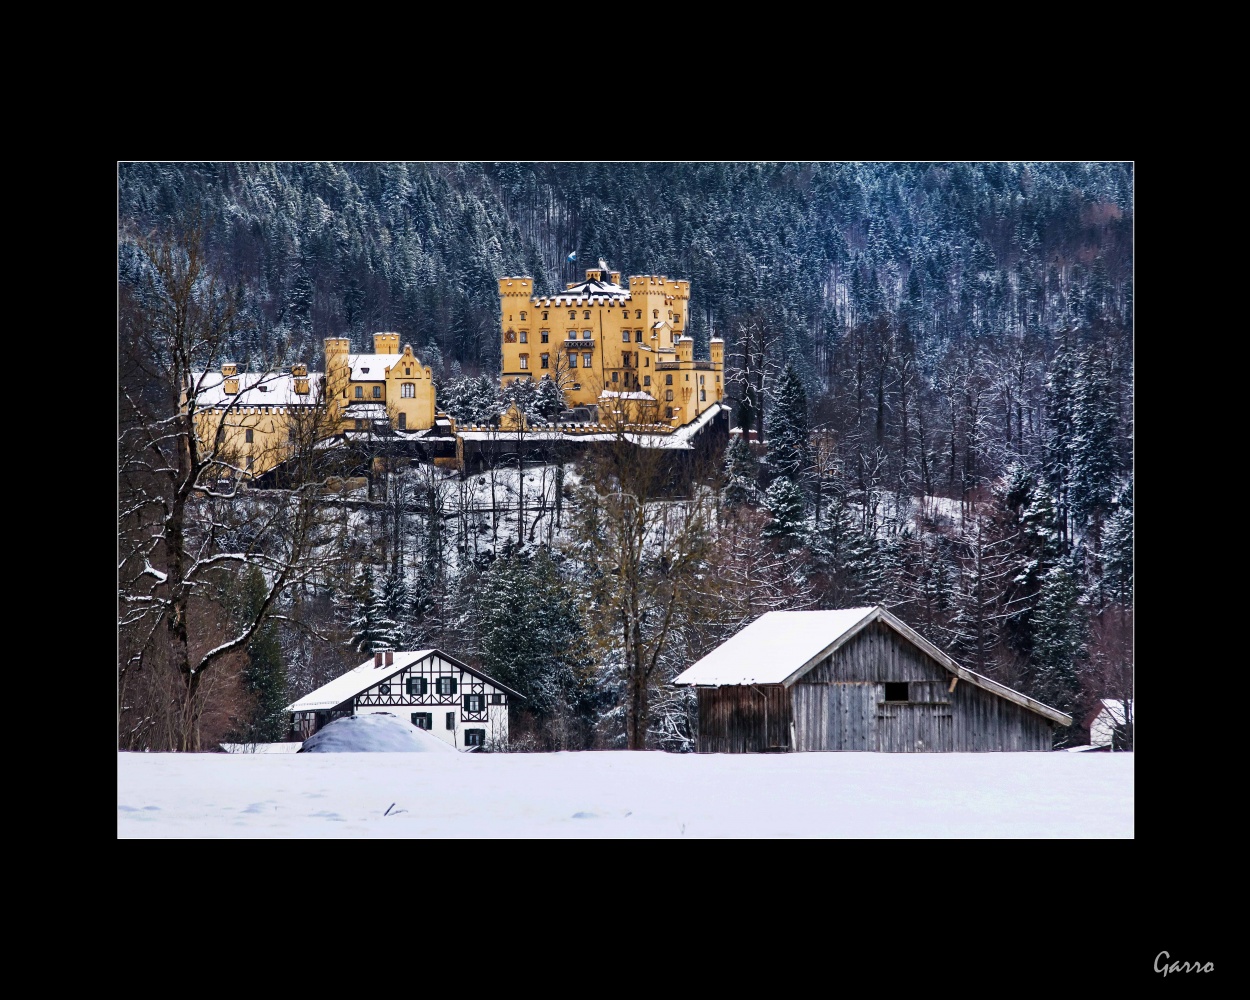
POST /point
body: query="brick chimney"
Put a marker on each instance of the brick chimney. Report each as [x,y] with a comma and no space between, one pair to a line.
[377,658]
[390,657]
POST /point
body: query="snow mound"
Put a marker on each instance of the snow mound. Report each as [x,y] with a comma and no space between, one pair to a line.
[379,732]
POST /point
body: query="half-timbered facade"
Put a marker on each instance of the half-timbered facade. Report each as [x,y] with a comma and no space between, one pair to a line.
[854,679]
[426,687]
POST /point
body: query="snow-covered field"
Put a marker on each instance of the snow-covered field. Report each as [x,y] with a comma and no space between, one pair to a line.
[617,794]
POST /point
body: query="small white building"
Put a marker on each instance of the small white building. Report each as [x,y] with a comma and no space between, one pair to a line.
[1108,721]
[426,687]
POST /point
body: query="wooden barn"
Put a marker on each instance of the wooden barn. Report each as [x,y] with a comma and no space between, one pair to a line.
[854,679]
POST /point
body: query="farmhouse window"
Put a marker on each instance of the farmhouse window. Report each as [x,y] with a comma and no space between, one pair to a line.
[473,702]
[423,720]
[474,737]
[451,720]
[496,699]
[416,685]
[445,685]
[896,691]
[384,689]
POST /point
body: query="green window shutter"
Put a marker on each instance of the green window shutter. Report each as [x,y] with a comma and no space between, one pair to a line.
[453,685]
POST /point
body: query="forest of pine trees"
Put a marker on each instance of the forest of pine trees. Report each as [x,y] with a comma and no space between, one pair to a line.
[936,360]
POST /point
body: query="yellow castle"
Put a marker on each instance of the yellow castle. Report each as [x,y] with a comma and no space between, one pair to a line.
[621,348]
[257,421]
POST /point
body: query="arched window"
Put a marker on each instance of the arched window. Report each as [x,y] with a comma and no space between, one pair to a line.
[585,314]
[572,314]
[408,390]
[523,314]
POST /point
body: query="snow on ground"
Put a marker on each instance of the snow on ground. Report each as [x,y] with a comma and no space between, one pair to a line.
[618,794]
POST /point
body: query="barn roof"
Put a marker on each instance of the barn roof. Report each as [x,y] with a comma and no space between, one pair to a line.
[781,646]
[360,679]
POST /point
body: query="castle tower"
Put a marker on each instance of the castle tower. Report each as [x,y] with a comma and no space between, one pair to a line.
[386,343]
[516,321]
[230,377]
[338,374]
[685,350]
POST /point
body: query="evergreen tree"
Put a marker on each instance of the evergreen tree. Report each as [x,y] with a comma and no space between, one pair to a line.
[370,626]
[1058,639]
[789,443]
[548,399]
[1094,464]
[264,677]
[784,502]
[741,472]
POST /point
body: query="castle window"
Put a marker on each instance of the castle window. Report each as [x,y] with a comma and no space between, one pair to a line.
[668,412]
[522,315]
[546,336]
[544,314]
[668,380]
[407,370]
[249,463]
[587,334]
[702,394]
[450,721]
[585,360]
[403,421]
[546,360]
[525,336]
[474,737]
[614,378]
[637,314]
[423,720]
[646,362]
[360,392]
[416,685]
[638,336]
[572,360]
[525,361]
[670,314]
[585,314]
[701,379]
[687,376]
[655,314]
[248,436]
[668,396]
[572,314]
[408,390]
[445,685]
[676,317]
[646,380]
[625,336]
[377,392]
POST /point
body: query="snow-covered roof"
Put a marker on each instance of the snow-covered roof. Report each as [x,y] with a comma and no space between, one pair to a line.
[360,411]
[371,367]
[588,291]
[359,679]
[628,395]
[259,389]
[781,646]
[773,647]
